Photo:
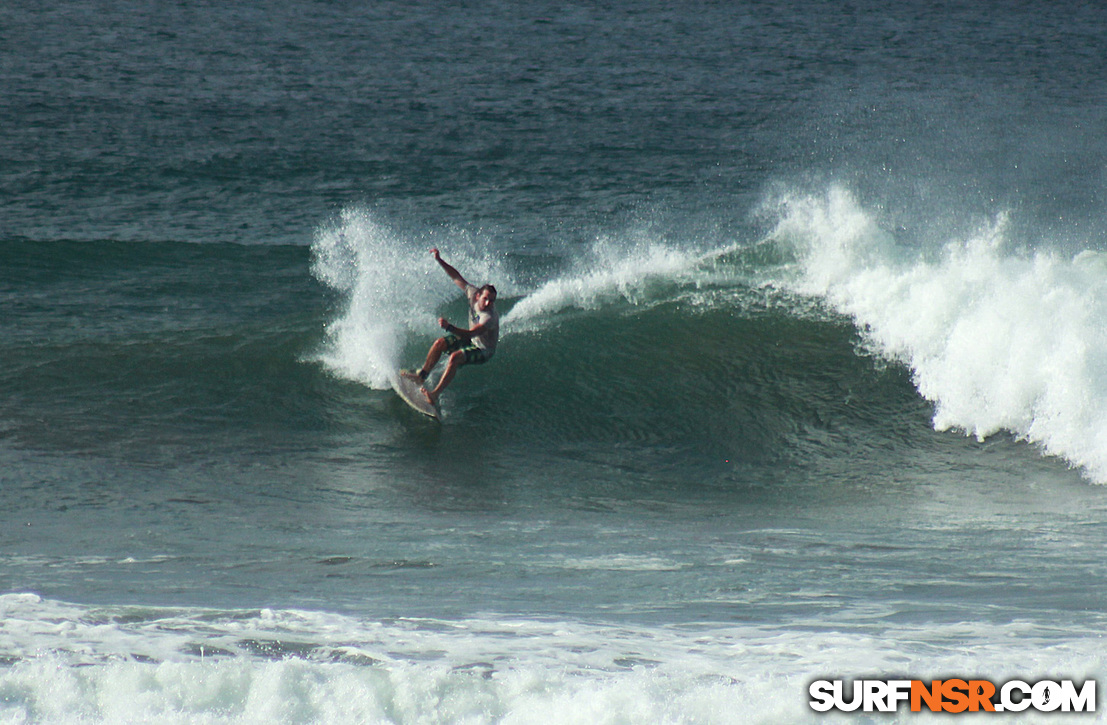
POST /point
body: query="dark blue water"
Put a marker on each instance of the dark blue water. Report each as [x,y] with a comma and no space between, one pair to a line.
[800,374]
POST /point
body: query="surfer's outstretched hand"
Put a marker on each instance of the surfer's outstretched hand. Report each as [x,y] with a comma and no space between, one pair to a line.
[435,254]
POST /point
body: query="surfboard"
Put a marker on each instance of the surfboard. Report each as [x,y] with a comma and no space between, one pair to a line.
[410,392]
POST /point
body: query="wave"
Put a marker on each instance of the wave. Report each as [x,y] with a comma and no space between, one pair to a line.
[764,350]
[74,663]
[999,338]
[640,352]
[655,351]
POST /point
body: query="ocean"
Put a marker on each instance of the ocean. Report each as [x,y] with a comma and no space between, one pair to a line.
[802,372]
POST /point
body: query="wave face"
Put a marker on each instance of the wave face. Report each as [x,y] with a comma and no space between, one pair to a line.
[772,350]
[636,349]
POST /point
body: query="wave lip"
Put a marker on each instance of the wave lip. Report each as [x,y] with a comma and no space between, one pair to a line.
[998,341]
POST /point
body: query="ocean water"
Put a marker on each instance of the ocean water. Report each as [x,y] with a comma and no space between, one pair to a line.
[803,368]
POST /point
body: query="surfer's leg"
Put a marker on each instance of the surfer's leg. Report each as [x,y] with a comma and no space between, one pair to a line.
[456,360]
[433,356]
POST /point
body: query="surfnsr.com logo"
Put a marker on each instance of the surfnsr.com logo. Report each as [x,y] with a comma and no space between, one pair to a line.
[952,695]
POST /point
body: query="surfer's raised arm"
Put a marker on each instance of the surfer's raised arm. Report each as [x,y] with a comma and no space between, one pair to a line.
[450,271]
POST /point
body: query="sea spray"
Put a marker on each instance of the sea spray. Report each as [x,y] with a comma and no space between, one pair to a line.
[610,270]
[996,339]
[391,288]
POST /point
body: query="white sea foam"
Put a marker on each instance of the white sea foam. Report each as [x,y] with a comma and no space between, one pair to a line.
[69,663]
[392,291]
[620,562]
[997,339]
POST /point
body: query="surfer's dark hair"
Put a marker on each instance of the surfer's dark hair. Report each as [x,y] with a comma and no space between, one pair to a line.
[490,288]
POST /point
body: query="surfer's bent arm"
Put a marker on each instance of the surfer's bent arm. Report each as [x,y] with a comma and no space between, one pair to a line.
[452,273]
[465,334]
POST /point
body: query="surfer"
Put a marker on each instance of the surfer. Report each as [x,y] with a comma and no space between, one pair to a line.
[472,346]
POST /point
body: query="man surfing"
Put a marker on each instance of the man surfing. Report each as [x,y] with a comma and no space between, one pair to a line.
[473,346]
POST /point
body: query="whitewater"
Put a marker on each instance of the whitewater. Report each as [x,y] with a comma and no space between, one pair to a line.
[999,337]
[135,664]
